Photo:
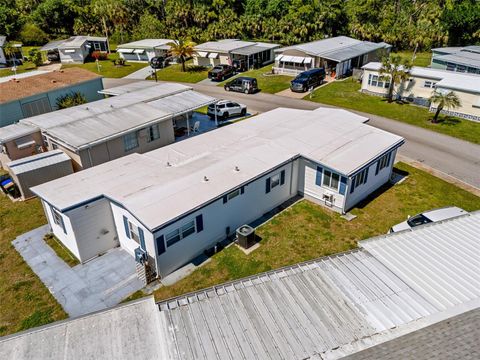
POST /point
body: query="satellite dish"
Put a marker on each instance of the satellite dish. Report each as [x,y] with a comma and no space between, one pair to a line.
[157,62]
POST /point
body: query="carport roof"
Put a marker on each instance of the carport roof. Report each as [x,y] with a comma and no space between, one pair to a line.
[170,181]
[147,44]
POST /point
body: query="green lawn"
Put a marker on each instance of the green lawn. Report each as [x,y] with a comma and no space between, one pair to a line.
[267,82]
[61,251]
[108,70]
[25,301]
[27,66]
[306,231]
[174,73]
[421,58]
[346,94]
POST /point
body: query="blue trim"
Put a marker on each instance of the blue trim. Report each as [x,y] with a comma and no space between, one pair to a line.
[343,185]
[142,238]
[267,185]
[161,248]
[282,177]
[318,176]
[199,222]
[127,228]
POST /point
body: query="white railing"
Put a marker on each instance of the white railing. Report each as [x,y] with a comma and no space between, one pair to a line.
[285,71]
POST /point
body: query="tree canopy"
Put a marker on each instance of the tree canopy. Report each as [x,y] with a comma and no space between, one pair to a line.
[418,24]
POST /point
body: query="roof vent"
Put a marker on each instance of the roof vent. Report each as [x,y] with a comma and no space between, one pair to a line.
[54,81]
[205,179]
[168,164]
[111,105]
[237,168]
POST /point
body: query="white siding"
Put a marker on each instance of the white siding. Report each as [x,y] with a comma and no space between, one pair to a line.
[372,184]
[307,176]
[68,238]
[217,216]
[93,228]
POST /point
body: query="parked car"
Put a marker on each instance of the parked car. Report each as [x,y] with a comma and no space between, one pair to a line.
[221,72]
[225,109]
[428,217]
[247,85]
[53,55]
[308,79]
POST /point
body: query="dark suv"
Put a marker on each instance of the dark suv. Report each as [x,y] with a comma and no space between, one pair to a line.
[247,85]
[221,72]
[307,79]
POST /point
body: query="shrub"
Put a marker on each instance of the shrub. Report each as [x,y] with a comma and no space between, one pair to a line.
[35,57]
[98,55]
[69,100]
[31,34]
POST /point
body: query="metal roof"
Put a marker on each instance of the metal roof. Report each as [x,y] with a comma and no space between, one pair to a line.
[129,331]
[15,131]
[231,45]
[127,88]
[253,49]
[350,52]
[445,78]
[71,42]
[440,261]
[38,161]
[336,138]
[147,43]
[466,58]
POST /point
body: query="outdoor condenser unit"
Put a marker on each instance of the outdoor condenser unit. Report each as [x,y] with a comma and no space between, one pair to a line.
[246,236]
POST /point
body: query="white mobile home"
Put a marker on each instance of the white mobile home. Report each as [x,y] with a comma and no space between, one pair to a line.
[338,55]
[76,49]
[173,203]
[144,50]
[459,59]
[421,84]
[248,54]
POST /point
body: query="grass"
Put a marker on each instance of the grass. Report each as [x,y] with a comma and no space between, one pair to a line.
[306,231]
[107,69]
[346,94]
[266,83]
[25,301]
[421,58]
[61,251]
[174,73]
[25,67]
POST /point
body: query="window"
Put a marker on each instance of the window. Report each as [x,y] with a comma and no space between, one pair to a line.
[36,107]
[361,177]
[130,141]
[173,237]
[374,80]
[274,181]
[429,84]
[96,46]
[233,194]
[184,231]
[383,162]
[461,68]
[57,218]
[188,229]
[330,179]
[134,233]
[153,133]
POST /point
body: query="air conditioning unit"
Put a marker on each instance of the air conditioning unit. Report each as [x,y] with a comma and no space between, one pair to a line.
[328,198]
[245,236]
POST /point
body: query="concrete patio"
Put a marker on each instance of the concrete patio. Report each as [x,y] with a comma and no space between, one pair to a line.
[98,284]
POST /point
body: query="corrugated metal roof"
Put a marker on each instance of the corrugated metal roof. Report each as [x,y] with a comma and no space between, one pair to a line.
[37,161]
[253,49]
[127,88]
[71,42]
[351,52]
[147,43]
[228,45]
[336,138]
[440,261]
[465,58]
[181,103]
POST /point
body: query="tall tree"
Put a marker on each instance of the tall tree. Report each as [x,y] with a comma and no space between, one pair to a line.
[395,70]
[183,49]
[443,100]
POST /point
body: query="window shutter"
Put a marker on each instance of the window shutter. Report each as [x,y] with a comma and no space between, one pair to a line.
[160,245]
[142,238]
[199,221]
[282,177]
[318,177]
[63,225]
[127,230]
[389,158]
[343,185]
[267,186]
[225,199]
[366,175]
[242,190]
[378,167]
[353,185]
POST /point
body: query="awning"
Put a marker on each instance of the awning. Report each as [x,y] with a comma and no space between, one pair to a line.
[125,51]
[279,57]
[308,60]
[139,51]
[213,55]
[68,51]
[294,59]
[202,53]
[24,143]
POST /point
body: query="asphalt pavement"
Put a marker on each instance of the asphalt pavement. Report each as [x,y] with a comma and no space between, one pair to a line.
[445,154]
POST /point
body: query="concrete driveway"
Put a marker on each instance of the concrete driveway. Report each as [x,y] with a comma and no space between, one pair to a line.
[446,155]
[99,284]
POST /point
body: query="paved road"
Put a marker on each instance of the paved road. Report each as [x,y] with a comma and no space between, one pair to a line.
[457,158]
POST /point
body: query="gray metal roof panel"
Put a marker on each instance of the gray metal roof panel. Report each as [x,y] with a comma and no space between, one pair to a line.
[38,161]
[463,58]
[350,52]
[250,50]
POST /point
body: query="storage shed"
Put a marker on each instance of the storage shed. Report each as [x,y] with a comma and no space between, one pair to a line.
[38,169]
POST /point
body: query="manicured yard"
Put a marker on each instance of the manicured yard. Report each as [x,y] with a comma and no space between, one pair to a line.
[26,66]
[267,82]
[61,251]
[421,58]
[25,301]
[108,69]
[307,231]
[174,73]
[346,94]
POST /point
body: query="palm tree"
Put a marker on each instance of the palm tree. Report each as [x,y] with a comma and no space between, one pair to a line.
[183,49]
[11,52]
[394,70]
[443,100]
